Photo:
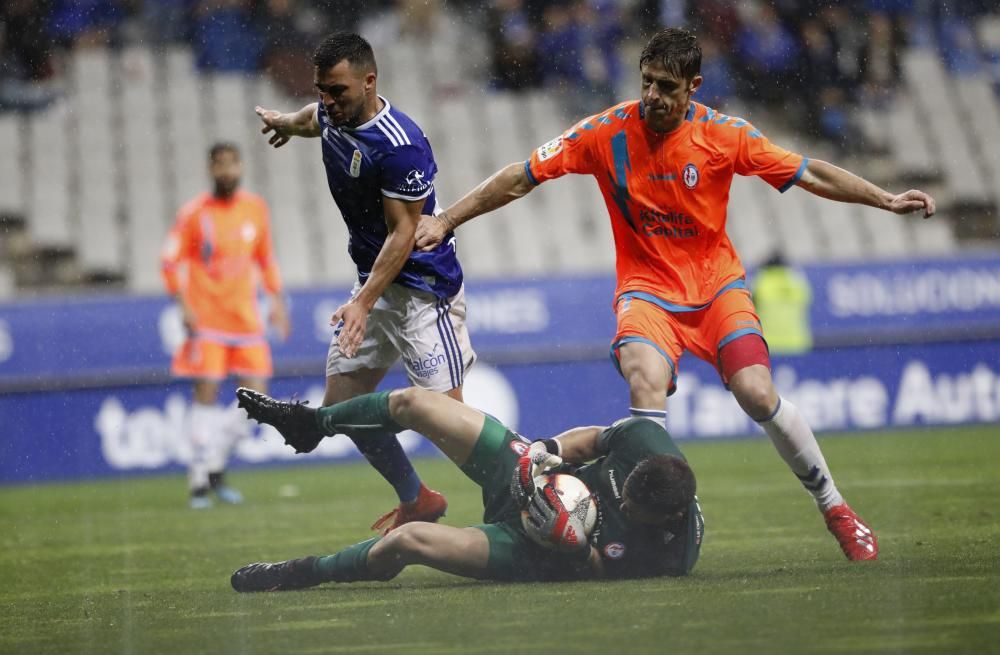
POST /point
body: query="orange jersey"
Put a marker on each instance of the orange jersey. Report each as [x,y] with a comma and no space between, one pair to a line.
[667,194]
[215,255]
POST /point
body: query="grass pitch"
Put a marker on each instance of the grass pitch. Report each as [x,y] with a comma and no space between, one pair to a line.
[125,566]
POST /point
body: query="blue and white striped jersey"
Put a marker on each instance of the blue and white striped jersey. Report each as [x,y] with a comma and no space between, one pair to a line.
[386,156]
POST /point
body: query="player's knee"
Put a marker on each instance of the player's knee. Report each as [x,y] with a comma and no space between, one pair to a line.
[405,403]
[393,553]
[407,544]
[755,394]
[646,381]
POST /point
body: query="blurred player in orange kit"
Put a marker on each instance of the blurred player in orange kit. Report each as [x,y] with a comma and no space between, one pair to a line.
[216,255]
[664,165]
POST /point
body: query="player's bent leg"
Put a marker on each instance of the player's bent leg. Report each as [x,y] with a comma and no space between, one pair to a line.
[459,551]
[796,444]
[754,391]
[383,451]
[648,374]
[451,425]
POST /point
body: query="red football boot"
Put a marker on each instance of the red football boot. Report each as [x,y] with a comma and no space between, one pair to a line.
[429,506]
[856,539]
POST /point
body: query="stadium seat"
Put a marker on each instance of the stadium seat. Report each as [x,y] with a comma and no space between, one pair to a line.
[460,160]
[507,142]
[13,201]
[49,203]
[908,142]
[963,172]
[184,128]
[793,214]
[843,231]
[7,283]
[933,237]
[749,228]
[979,103]
[888,234]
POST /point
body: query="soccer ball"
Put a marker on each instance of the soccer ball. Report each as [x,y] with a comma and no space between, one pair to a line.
[580,504]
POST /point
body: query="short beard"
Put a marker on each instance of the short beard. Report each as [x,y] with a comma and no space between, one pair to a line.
[226,190]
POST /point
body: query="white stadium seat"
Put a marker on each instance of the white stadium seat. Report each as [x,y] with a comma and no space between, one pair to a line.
[13,200]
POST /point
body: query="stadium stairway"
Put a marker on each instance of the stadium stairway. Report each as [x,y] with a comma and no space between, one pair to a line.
[97,178]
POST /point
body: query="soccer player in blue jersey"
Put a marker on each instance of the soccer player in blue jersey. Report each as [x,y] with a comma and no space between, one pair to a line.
[406,303]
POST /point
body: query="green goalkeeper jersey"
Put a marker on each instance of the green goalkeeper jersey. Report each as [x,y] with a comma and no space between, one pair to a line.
[629,550]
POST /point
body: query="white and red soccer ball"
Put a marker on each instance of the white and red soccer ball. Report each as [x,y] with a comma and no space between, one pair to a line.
[580,506]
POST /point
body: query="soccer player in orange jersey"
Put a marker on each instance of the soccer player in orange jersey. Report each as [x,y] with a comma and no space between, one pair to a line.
[217,254]
[664,164]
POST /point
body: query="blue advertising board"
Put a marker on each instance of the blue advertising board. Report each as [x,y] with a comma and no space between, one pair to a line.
[85,391]
[70,343]
[139,428]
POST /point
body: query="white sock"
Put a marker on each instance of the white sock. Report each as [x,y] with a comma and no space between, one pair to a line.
[234,426]
[794,440]
[657,416]
[229,424]
[201,436]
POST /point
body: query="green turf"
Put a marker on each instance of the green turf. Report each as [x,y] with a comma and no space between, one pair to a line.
[124,566]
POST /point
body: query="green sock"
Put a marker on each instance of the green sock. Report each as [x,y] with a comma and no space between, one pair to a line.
[349,565]
[367,414]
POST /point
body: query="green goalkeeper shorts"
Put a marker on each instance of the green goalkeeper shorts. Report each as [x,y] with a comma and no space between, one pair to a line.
[513,555]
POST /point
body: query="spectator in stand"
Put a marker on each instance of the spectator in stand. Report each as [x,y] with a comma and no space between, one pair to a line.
[25,55]
[513,40]
[823,99]
[577,51]
[85,23]
[720,82]
[881,66]
[225,37]
[717,20]
[769,53]
[286,58]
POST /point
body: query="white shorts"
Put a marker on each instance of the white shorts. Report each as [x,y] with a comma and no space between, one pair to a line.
[428,332]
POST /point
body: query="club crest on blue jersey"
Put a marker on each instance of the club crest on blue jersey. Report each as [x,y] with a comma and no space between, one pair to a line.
[690,176]
[356,164]
[414,177]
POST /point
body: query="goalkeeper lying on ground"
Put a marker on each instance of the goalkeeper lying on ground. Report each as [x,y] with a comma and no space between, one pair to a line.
[649,522]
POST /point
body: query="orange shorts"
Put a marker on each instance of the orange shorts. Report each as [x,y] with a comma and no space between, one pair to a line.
[209,358]
[671,329]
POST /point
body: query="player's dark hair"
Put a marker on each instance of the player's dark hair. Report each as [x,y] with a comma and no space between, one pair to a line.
[661,483]
[676,49]
[344,45]
[220,147]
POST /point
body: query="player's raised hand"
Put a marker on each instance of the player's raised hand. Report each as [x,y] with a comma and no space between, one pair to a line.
[430,232]
[274,121]
[911,201]
[351,320]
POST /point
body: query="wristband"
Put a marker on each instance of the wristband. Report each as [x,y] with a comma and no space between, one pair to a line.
[552,447]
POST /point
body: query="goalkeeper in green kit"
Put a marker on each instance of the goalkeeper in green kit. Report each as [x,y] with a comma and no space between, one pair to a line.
[648,524]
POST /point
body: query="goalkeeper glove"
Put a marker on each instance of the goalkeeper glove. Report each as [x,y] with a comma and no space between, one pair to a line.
[552,525]
[540,457]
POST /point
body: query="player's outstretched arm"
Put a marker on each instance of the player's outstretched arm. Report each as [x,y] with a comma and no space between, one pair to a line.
[828,181]
[579,445]
[506,185]
[284,126]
